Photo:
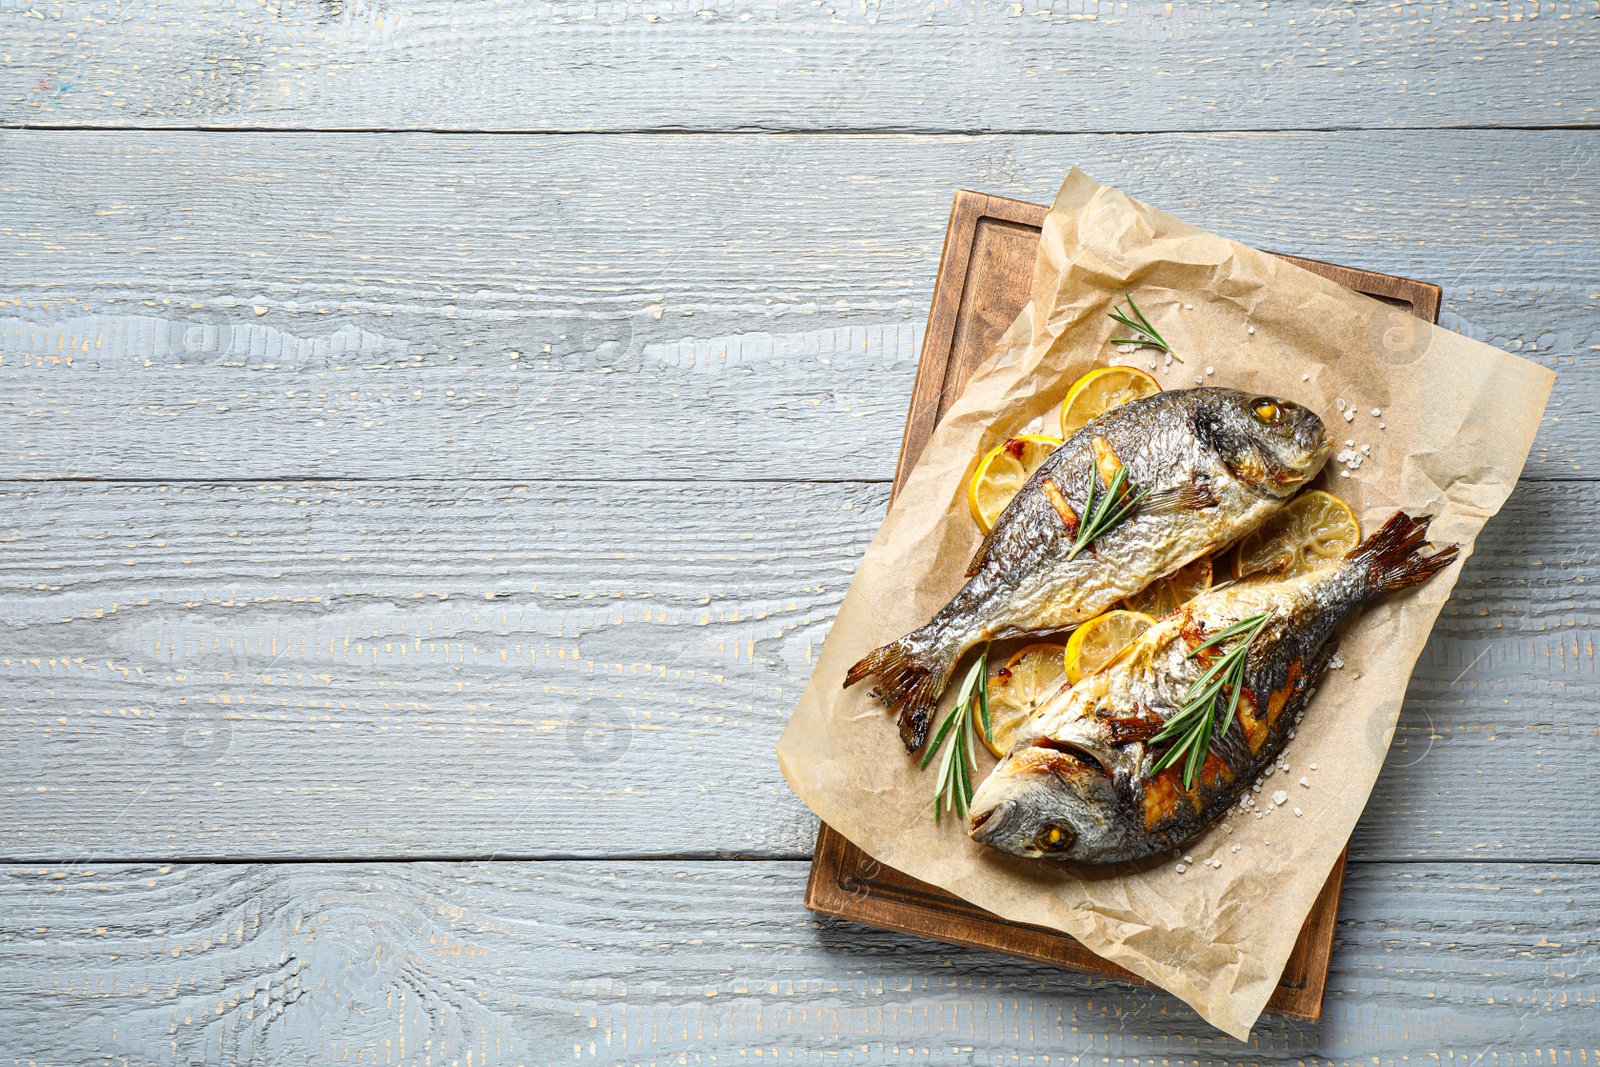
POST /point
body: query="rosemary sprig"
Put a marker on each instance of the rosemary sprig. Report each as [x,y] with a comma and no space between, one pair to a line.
[954,792]
[1190,730]
[1144,333]
[1099,516]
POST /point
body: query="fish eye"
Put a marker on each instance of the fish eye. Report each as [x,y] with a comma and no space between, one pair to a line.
[1266,410]
[1054,839]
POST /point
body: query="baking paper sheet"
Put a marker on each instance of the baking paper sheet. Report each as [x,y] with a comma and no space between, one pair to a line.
[1459,419]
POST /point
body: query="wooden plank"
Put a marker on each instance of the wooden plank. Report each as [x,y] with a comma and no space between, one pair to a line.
[743,65]
[845,883]
[985,278]
[1492,965]
[316,669]
[257,306]
[983,281]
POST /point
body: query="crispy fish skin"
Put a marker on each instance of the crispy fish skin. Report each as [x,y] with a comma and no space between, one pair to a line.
[1216,463]
[1074,786]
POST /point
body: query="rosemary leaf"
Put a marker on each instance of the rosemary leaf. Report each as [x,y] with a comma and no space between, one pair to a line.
[1144,333]
[1191,729]
[1101,514]
[953,791]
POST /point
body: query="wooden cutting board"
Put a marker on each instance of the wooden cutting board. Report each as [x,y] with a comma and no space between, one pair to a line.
[985,276]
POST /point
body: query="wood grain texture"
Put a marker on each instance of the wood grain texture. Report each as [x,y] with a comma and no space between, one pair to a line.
[985,274]
[746,65]
[1492,965]
[248,306]
[439,669]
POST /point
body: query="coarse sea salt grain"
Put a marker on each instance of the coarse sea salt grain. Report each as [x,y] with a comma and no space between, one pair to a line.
[1305,782]
[1280,798]
[1211,370]
[1376,412]
[1350,415]
[1251,330]
[1181,868]
[1188,307]
[1305,377]
[1233,848]
[1297,813]
[1339,403]
[1313,766]
[1344,474]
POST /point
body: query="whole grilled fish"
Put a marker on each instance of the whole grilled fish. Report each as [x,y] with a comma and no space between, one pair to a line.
[1076,784]
[1214,464]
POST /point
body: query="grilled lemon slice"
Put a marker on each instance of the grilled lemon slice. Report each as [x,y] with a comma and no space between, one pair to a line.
[1016,690]
[1168,594]
[1312,531]
[1101,390]
[1004,470]
[1096,641]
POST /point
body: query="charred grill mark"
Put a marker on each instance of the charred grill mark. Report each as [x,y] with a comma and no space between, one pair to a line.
[1160,800]
[1107,463]
[1137,728]
[1254,724]
[1069,518]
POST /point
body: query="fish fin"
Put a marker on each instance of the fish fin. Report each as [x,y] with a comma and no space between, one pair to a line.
[1191,496]
[1274,571]
[1393,557]
[980,557]
[911,679]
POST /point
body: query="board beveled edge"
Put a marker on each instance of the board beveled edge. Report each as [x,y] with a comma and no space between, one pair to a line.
[845,882]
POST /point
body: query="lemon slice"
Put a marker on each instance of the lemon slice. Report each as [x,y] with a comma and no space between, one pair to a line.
[1002,471]
[1096,641]
[1017,690]
[1314,530]
[1167,594]
[1101,390]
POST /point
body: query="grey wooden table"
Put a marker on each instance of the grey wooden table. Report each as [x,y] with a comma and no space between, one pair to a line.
[435,437]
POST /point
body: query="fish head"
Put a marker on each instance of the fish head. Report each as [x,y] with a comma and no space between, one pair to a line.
[1053,803]
[1270,443]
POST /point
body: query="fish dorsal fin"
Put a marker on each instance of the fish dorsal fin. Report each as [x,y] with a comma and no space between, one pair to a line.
[981,557]
[1191,496]
[1276,571]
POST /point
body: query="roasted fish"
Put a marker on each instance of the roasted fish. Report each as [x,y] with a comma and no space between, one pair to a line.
[1211,465]
[1076,785]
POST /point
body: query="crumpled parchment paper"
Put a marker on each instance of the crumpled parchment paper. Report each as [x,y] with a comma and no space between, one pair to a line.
[1457,421]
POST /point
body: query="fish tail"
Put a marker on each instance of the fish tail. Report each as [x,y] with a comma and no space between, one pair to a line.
[1393,558]
[912,674]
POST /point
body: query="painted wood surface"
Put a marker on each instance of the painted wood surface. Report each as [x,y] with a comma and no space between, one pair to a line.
[1490,965]
[437,669]
[1062,65]
[391,499]
[405,306]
